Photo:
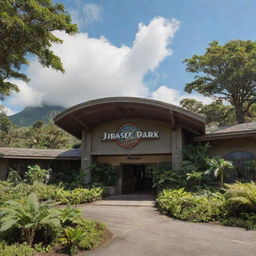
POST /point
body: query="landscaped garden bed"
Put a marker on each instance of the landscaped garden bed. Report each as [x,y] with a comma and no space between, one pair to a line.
[31,223]
[188,193]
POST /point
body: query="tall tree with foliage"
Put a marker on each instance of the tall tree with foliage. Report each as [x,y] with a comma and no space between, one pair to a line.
[216,113]
[5,123]
[228,73]
[26,28]
[38,136]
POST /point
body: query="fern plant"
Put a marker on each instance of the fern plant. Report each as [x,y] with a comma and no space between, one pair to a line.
[240,197]
[29,216]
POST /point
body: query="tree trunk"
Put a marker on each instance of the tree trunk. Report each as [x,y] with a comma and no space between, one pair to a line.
[29,235]
[239,114]
[221,179]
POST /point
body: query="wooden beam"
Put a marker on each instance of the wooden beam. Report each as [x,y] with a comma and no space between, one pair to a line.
[124,111]
[191,130]
[82,123]
[130,112]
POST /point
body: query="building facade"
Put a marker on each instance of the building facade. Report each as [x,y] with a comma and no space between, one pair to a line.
[133,133]
[130,133]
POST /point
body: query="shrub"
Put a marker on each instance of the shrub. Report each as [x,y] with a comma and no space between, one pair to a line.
[46,192]
[78,196]
[14,177]
[72,238]
[29,216]
[103,173]
[94,233]
[16,250]
[240,198]
[188,206]
[69,179]
[86,235]
[36,174]
[247,221]
[69,215]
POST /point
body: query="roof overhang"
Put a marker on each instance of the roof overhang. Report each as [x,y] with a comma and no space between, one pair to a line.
[92,113]
[223,136]
[42,154]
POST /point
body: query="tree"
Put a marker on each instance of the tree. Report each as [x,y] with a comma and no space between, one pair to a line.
[216,113]
[219,166]
[5,123]
[226,73]
[26,28]
[45,136]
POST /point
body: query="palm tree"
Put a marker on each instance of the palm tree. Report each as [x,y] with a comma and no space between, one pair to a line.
[29,216]
[219,166]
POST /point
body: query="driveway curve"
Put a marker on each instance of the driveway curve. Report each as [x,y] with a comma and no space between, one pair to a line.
[138,229]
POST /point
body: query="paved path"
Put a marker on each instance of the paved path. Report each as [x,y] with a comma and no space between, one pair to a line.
[141,230]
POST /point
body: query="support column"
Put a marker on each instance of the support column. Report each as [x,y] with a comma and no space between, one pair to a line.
[176,147]
[3,169]
[86,158]
[118,179]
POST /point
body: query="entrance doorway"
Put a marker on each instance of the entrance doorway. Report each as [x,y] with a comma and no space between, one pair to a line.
[136,178]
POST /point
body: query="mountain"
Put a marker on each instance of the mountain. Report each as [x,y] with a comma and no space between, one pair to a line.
[29,115]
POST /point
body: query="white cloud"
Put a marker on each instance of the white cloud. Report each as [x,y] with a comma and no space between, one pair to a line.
[6,110]
[96,68]
[9,111]
[86,13]
[169,95]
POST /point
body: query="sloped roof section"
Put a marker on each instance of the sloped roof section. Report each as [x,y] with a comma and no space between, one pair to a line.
[239,130]
[95,112]
[31,153]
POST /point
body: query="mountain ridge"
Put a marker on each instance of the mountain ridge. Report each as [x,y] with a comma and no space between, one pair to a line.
[29,115]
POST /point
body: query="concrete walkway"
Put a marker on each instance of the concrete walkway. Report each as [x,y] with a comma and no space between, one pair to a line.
[139,230]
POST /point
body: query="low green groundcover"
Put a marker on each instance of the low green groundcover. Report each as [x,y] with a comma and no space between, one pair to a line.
[190,206]
[235,206]
[29,226]
[16,250]
[49,192]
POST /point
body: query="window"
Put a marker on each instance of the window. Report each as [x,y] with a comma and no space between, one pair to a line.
[244,163]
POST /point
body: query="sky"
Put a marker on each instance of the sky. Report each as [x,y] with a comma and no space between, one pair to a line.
[133,48]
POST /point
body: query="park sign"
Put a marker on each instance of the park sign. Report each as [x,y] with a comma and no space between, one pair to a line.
[129,135]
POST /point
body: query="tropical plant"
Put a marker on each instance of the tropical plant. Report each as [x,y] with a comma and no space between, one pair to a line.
[70,179]
[103,173]
[168,179]
[219,166]
[72,239]
[195,157]
[240,198]
[13,177]
[195,177]
[28,216]
[69,215]
[36,174]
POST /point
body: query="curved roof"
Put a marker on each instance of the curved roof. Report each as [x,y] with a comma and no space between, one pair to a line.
[95,112]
